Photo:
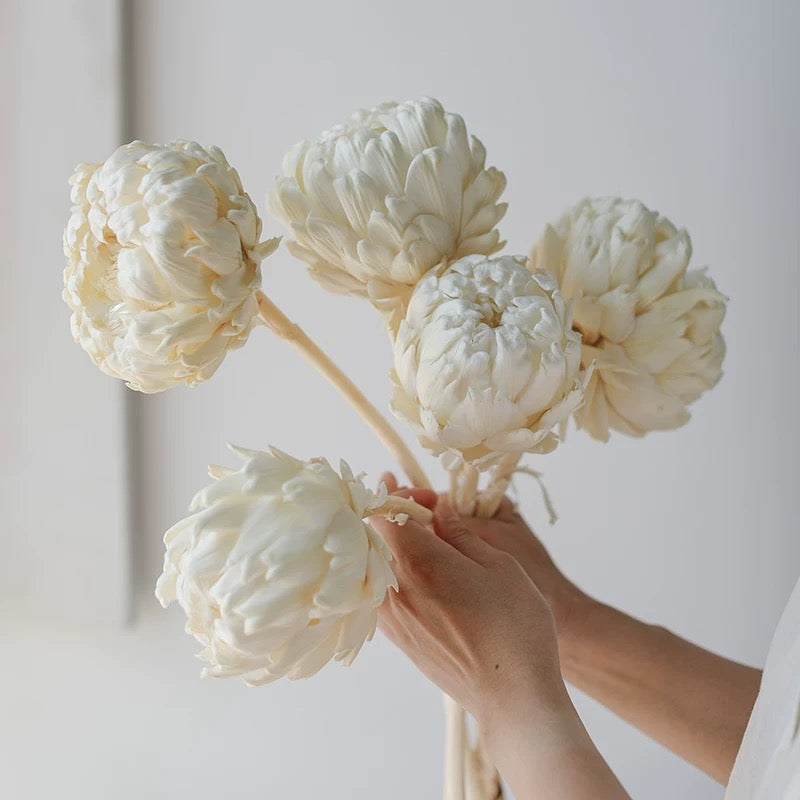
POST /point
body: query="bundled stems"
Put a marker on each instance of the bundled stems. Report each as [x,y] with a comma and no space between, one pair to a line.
[469,775]
[464,489]
[499,479]
[280,324]
[463,763]
[468,500]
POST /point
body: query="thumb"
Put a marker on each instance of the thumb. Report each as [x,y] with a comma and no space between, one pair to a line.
[450,527]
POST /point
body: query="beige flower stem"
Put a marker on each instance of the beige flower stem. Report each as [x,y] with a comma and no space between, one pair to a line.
[457,743]
[280,324]
[474,777]
[469,774]
[456,749]
[499,479]
[464,489]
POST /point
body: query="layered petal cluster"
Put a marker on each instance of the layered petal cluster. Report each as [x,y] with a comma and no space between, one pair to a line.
[163,259]
[486,362]
[651,326]
[275,568]
[378,201]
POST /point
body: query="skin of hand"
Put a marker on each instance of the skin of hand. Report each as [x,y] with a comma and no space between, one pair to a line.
[469,616]
[693,701]
[508,531]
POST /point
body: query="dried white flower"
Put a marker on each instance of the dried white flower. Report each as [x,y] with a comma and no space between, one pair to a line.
[163,263]
[486,362]
[378,201]
[650,327]
[276,569]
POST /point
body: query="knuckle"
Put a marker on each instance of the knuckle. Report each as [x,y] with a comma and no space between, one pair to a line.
[459,533]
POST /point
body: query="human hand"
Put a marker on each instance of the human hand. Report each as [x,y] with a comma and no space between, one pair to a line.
[472,620]
[425,497]
[508,531]
[469,616]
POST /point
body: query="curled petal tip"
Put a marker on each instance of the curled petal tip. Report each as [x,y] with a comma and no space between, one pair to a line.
[266,248]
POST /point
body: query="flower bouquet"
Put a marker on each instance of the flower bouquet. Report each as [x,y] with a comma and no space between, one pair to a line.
[277,567]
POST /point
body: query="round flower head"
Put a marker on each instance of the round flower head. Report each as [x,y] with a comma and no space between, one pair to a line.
[376,202]
[163,260]
[276,569]
[486,362]
[650,327]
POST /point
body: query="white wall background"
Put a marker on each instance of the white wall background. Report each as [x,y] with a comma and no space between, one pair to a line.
[691,107]
[63,465]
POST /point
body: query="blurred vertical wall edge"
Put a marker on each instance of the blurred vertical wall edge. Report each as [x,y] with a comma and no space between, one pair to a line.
[133,415]
[8,359]
[64,471]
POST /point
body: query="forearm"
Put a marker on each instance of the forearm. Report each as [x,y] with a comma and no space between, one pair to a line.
[546,754]
[690,700]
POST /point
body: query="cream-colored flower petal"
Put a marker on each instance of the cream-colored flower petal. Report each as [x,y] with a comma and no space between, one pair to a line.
[650,326]
[485,361]
[162,263]
[275,568]
[375,203]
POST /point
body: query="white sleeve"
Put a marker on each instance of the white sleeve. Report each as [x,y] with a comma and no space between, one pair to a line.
[767,766]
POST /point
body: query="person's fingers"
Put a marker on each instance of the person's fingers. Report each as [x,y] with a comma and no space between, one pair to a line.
[425,497]
[411,628]
[387,609]
[389,480]
[450,527]
[400,623]
[387,620]
[486,530]
[399,635]
[415,549]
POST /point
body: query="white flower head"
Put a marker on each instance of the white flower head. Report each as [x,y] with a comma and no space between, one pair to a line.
[276,569]
[486,362]
[163,259]
[650,326]
[377,202]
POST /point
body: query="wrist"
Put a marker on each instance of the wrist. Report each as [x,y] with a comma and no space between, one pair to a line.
[525,703]
[575,629]
[570,607]
[543,751]
[535,738]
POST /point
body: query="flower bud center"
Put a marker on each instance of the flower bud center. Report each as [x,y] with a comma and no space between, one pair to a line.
[491,312]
